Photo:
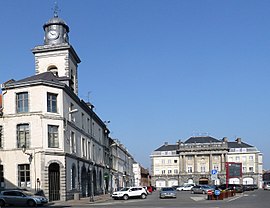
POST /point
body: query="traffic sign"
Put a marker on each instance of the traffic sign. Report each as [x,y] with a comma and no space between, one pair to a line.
[217,192]
[214,172]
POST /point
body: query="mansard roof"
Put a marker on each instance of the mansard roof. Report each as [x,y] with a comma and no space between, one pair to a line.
[168,147]
[46,76]
[202,139]
[238,145]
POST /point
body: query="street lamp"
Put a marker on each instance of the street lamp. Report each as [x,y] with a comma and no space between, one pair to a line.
[29,154]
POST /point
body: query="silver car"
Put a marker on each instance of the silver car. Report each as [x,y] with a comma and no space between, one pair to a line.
[21,198]
[167,192]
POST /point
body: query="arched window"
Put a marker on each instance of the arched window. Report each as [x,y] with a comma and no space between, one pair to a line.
[53,69]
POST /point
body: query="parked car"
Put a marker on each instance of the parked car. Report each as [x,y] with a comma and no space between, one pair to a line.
[237,187]
[248,187]
[167,192]
[201,189]
[21,198]
[266,186]
[130,192]
[187,187]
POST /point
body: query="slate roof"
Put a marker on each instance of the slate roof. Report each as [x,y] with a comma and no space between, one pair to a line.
[201,139]
[46,76]
[238,145]
[167,147]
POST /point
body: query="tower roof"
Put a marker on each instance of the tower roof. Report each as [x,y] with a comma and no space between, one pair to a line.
[56,21]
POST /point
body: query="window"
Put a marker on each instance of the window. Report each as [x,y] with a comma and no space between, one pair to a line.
[24,175]
[250,169]
[175,171]
[53,140]
[189,170]
[71,115]
[83,147]
[169,171]
[244,158]
[73,177]
[51,102]
[23,135]
[73,143]
[216,167]
[237,158]
[175,161]
[169,161]
[244,169]
[2,185]
[202,169]
[82,120]
[250,157]
[162,171]
[1,136]
[88,125]
[89,151]
[163,161]
[22,102]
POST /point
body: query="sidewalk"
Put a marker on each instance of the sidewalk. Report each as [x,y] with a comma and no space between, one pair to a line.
[82,201]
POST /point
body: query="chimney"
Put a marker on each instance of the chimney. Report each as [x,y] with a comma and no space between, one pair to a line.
[225,139]
[238,140]
[166,143]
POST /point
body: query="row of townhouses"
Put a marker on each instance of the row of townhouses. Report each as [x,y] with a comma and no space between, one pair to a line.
[203,160]
[50,139]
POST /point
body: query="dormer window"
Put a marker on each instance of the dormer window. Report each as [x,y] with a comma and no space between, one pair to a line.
[53,69]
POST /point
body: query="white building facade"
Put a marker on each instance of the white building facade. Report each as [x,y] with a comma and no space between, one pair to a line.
[195,160]
[50,139]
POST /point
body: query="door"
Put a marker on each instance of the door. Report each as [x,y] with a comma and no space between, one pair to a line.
[54,182]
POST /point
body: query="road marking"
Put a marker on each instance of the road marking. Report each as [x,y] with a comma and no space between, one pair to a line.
[236,197]
[198,198]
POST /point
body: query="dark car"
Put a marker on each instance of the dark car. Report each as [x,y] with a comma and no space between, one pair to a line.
[248,187]
[236,187]
[167,192]
[21,198]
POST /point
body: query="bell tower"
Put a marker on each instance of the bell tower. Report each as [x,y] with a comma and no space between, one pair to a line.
[56,54]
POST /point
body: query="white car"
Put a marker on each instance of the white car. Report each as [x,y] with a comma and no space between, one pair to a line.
[187,187]
[130,192]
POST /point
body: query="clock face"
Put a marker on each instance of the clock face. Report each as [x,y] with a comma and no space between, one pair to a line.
[52,34]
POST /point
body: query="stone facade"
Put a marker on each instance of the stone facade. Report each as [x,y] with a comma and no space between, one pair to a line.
[192,161]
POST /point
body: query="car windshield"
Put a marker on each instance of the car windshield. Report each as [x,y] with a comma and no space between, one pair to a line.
[124,189]
[167,189]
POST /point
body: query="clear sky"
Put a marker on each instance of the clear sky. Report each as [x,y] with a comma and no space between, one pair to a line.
[159,70]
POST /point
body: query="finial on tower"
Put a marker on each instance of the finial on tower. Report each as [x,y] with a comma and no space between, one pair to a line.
[55,9]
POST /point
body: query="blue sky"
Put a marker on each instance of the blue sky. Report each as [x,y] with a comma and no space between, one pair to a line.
[159,70]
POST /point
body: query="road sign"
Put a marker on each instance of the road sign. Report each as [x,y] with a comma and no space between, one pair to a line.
[209,192]
[217,192]
[214,172]
[214,177]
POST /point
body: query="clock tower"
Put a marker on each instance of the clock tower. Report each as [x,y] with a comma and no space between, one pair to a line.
[56,54]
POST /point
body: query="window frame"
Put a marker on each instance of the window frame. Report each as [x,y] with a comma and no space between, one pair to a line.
[53,136]
[52,102]
[22,102]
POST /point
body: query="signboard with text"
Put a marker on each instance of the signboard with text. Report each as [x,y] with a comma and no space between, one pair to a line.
[233,170]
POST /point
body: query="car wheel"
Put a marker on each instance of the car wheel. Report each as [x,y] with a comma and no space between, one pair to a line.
[204,192]
[192,192]
[143,196]
[2,203]
[31,203]
[125,197]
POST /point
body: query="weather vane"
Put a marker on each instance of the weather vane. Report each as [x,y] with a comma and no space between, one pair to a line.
[56,9]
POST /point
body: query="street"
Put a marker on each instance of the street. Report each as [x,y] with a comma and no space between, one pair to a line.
[258,198]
